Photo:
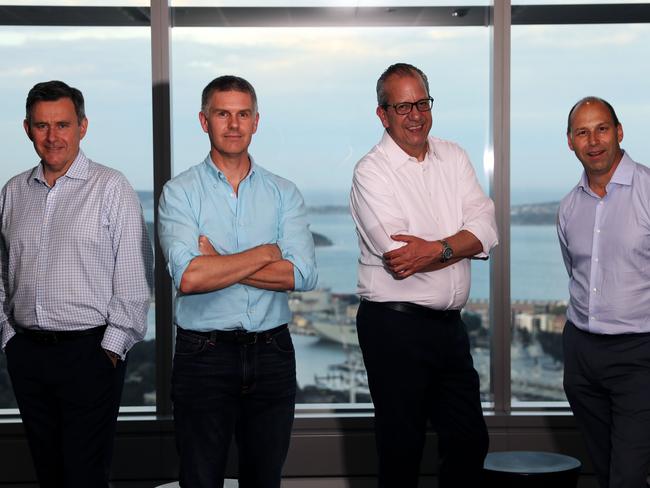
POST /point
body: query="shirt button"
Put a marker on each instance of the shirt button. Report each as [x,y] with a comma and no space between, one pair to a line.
[598,231]
[593,318]
[595,289]
[232,195]
[596,259]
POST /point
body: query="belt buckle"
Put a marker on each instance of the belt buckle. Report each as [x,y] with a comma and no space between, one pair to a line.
[247,338]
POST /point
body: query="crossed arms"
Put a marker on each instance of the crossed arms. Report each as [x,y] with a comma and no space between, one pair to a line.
[284,259]
[465,216]
[261,267]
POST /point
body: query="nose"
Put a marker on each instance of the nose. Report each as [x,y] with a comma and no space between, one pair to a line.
[415,114]
[593,138]
[233,122]
[50,134]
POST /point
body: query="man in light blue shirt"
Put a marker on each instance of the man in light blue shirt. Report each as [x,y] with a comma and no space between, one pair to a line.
[236,239]
[604,231]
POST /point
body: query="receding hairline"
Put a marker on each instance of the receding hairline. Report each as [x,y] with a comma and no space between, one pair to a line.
[592,100]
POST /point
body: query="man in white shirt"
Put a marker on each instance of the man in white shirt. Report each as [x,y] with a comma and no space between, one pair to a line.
[421,216]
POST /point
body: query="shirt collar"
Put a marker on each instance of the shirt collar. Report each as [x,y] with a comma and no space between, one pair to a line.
[397,157]
[78,170]
[216,172]
[623,174]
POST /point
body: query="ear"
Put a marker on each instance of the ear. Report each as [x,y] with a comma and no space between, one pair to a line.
[381,113]
[257,121]
[619,132]
[204,121]
[83,127]
[27,129]
[568,138]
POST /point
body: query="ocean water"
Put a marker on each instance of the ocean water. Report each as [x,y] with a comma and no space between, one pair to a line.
[537,270]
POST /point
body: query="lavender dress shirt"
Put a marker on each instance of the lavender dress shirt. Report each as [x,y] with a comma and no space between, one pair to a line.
[606,249]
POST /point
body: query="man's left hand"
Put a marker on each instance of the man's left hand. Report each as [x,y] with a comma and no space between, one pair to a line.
[415,256]
[113,357]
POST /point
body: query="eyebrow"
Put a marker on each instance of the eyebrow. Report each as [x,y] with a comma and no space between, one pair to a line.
[218,109]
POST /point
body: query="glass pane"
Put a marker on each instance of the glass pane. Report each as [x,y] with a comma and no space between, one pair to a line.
[548,77]
[112,67]
[78,3]
[326,3]
[572,2]
[316,92]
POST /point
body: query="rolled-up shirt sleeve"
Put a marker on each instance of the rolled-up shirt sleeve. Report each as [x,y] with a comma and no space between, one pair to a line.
[375,210]
[133,271]
[178,230]
[6,330]
[295,239]
[478,208]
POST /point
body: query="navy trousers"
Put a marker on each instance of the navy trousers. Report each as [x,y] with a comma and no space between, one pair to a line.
[68,394]
[221,389]
[421,369]
[607,383]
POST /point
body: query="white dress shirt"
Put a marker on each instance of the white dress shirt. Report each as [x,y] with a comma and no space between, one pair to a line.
[393,193]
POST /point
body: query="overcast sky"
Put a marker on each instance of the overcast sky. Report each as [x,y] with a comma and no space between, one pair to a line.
[317,99]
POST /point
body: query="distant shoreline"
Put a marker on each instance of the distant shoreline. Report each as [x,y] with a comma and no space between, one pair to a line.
[524,214]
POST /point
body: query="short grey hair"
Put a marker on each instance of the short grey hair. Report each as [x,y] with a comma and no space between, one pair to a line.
[399,69]
[227,83]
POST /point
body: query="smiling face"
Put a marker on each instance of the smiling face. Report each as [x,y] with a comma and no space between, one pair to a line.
[56,133]
[230,122]
[595,139]
[409,131]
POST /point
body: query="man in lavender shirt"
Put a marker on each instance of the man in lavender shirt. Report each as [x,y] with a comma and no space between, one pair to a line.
[604,231]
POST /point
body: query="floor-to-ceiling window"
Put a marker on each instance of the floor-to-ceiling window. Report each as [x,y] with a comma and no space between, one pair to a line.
[112,67]
[314,65]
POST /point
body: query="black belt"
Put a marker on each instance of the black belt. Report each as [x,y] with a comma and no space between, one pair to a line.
[54,336]
[236,336]
[419,310]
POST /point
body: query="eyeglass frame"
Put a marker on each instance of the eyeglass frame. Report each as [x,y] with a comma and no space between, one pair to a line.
[412,104]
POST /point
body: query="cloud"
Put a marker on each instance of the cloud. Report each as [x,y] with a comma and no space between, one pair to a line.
[32,36]
[21,72]
[569,37]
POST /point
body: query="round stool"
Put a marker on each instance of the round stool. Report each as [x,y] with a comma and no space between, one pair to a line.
[530,469]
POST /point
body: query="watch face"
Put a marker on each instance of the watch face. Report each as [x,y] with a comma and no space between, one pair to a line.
[447,253]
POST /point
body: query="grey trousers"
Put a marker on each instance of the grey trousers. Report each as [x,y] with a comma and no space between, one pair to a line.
[607,383]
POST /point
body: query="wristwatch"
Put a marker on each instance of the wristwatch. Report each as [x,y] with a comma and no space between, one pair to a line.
[447,252]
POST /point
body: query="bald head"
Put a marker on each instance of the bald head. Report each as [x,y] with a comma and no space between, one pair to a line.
[591,100]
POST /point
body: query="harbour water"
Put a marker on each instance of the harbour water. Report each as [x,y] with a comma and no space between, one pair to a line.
[538,278]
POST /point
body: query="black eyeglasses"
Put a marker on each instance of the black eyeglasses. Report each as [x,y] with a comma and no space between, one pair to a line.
[405,108]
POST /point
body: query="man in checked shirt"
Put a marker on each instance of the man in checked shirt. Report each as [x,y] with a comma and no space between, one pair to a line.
[76,266]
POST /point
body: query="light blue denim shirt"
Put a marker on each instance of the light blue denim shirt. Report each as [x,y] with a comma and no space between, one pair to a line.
[606,249]
[268,209]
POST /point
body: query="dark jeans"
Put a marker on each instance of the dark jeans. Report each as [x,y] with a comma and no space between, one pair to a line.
[68,394]
[223,388]
[421,369]
[607,383]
